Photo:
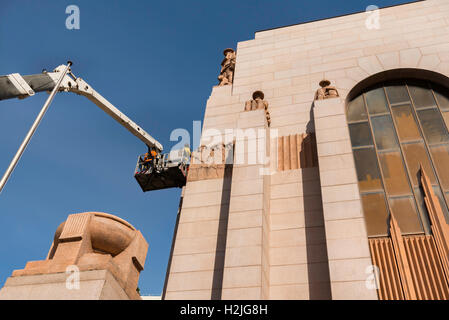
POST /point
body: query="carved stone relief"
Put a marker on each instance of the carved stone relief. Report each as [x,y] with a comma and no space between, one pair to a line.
[326,91]
[258,103]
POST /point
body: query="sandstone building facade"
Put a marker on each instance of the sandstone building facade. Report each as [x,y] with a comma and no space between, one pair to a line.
[324,158]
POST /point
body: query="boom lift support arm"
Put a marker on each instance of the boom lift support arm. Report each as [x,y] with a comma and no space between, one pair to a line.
[16,86]
[170,173]
[81,87]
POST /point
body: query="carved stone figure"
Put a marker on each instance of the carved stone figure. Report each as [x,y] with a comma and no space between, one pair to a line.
[210,162]
[258,103]
[268,117]
[95,241]
[210,155]
[227,68]
[326,91]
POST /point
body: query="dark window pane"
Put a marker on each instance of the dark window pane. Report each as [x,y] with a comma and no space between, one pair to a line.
[376,101]
[367,170]
[404,210]
[360,134]
[433,126]
[415,154]
[406,123]
[397,93]
[399,170]
[422,96]
[376,214]
[395,178]
[442,95]
[356,110]
[441,162]
[442,201]
[384,133]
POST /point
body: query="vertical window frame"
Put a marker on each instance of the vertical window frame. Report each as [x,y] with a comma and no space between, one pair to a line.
[423,216]
[425,226]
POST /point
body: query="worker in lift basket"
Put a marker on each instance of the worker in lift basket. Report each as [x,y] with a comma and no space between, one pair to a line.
[149,159]
[187,151]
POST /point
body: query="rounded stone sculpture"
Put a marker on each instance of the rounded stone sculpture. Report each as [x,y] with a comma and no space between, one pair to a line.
[108,234]
[95,241]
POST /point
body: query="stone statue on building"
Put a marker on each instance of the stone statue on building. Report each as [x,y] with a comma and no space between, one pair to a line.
[258,103]
[227,68]
[326,91]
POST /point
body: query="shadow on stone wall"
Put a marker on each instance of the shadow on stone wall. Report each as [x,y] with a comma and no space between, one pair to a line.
[318,263]
[172,248]
[217,280]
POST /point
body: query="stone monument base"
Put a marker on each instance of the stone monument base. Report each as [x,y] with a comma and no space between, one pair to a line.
[93,285]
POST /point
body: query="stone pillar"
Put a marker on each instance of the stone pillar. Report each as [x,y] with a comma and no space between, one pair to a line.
[197,258]
[94,256]
[346,237]
[246,269]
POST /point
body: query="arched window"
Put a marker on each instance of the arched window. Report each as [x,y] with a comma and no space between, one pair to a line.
[395,127]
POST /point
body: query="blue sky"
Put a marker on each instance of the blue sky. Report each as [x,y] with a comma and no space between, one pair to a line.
[157,62]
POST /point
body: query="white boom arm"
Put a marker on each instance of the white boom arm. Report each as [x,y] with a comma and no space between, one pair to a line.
[77,85]
[16,86]
[61,79]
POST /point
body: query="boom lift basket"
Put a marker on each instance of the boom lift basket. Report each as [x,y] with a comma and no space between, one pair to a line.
[165,171]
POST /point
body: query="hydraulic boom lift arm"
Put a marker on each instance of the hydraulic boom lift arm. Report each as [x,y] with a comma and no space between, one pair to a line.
[163,171]
[16,86]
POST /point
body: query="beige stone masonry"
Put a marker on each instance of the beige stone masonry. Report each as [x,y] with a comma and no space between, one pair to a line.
[346,238]
[246,266]
[94,285]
